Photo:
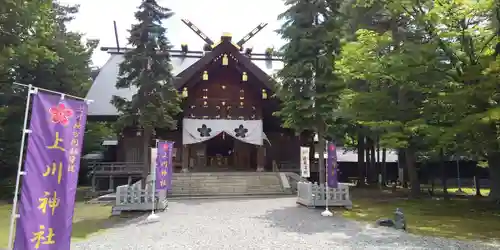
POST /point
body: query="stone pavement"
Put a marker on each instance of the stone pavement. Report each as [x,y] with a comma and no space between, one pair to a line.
[259,223]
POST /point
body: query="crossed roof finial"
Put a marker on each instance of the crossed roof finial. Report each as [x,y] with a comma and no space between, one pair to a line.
[211,43]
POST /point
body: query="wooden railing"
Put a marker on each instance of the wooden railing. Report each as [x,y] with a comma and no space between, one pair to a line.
[116,168]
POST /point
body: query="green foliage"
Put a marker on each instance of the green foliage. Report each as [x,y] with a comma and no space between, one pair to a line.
[308,88]
[424,76]
[147,68]
[36,48]
[95,133]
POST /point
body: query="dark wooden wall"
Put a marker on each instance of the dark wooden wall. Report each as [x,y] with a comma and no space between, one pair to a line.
[224,96]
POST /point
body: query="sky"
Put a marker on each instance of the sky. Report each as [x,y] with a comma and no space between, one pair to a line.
[237,17]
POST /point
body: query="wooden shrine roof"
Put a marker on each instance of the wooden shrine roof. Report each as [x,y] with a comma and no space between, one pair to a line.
[184,67]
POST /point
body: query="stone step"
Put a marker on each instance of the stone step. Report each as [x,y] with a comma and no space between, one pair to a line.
[223,183]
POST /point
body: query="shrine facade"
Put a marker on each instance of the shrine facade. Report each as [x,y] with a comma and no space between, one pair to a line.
[227,123]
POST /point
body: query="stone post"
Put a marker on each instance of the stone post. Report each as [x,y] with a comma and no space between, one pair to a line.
[185,158]
[260,158]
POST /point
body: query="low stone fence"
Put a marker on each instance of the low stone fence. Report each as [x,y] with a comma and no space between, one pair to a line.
[312,195]
[134,198]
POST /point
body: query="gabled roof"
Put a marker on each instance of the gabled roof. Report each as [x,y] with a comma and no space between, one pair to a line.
[103,88]
[225,47]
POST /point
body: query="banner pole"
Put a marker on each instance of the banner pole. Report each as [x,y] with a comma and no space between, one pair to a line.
[153,175]
[327,211]
[153,216]
[14,214]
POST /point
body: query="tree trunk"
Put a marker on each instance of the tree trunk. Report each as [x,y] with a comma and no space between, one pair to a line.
[361,159]
[367,161]
[384,166]
[477,183]
[444,175]
[373,162]
[411,165]
[146,139]
[402,166]
[377,163]
[433,184]
[321,155]
[494,168]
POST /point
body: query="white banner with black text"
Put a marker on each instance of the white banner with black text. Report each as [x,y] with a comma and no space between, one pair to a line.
[305,170]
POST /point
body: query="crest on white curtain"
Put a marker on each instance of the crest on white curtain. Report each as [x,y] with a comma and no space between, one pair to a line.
[199,130]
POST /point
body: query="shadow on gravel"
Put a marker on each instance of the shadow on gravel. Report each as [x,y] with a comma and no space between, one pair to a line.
[304,221]
[86,227]
[301,220]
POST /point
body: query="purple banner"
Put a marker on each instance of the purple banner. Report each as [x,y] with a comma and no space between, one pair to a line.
[164,168]
[51,165]
[331,166]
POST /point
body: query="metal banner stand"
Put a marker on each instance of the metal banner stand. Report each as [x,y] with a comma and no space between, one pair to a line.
[14,214]
[153,217]
[327,193]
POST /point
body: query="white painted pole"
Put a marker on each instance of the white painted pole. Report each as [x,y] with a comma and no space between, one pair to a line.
[327,193]
[14,214]
[153,180]
[153,216]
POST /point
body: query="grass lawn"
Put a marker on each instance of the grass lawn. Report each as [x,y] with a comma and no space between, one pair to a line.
[467,190]
[88,219]
[458,218]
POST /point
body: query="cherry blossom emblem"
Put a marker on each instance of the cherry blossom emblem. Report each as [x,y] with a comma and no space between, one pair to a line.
[61,114]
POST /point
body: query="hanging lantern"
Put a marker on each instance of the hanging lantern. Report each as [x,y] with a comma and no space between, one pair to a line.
[264,94]
[205,75]
[205,93]
[225,61]
[244,77]
[185,92]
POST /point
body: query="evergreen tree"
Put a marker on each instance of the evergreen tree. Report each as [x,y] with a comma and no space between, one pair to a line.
[147,68]
[309,90]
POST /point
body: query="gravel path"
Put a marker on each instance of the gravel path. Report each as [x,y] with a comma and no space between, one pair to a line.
[258,224]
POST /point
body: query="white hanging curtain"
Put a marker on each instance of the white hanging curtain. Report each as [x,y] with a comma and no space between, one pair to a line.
[200,130]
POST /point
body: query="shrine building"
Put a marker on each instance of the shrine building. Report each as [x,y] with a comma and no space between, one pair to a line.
[227,123]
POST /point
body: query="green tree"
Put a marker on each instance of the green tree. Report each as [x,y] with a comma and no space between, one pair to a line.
[467,35]
[147,68]
[36,49]
[309,90]
[441,57]
[397,71]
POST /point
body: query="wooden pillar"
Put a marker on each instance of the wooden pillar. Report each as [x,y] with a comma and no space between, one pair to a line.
[185,158]
[111,183]
[261,158]
[94,183]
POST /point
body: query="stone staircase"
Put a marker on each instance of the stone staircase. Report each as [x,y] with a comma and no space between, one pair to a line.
[228,184]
